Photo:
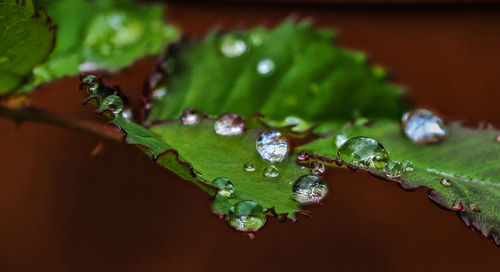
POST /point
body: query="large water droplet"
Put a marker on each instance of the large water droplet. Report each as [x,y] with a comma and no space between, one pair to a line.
[272,146]
[226,188]
[363,152]
[392,169]
[271,171]
[423,126]
[229,124]
[190,117]
[265,67]
[249,167]
[309,189]
[232,46]
[247,216]
[445,182]
[340,139]
[318,168]
[114,103]
[407,166]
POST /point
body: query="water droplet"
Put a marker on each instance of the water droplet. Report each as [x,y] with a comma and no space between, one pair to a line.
[159,93]
[229,124]
[473,207]
[457,205]
[114,103]
[392,169]
[92,82]
[445,182]
[497,139]
[318,168]
[265,67]
[249,167]
[423,126]
[303,156]
[340,139]
[198,174]
[407,166]
[272,146]
[363,152]
[309,189]
[232,46]
[190,117]
[226,188]
[247,216]
[271,171]
[127,114]
[256,38]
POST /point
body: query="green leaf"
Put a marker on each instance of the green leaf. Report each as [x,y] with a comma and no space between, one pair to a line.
[304,79]
[101,35]
[198,154]
[27,38]
[462,171]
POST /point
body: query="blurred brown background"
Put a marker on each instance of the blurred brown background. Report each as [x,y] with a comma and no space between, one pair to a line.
[63,210]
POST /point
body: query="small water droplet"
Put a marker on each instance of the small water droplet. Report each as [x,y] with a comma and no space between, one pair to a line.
[457,205]
[407,166]
[232,46]
[92,82]
[392,169]
[159,93]
[340,139]
[190,117]
[303,156]
[473,207]
[272,146]
[247,216]
[497,139]
[271,171]
[226,188]
[229,124]
[114,103]
[363,152]
[249,167]
[309,189]
[265,67]
[445,182]
[127,114]
[198,174]
[423,126]
[318,168]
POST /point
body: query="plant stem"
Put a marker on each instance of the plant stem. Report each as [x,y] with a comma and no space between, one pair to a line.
[37,115]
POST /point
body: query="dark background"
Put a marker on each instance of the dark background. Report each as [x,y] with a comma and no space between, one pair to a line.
[64,210]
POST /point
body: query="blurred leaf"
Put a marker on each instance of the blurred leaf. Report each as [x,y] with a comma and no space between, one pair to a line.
[292,74]
[27,38]
[468,159]
[101,35]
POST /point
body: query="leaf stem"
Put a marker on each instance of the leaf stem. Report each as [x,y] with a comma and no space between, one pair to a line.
[30,113]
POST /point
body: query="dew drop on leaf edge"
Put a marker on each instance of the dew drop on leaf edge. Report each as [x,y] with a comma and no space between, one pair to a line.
[271,146]
[114,103]
[392,169]
[363,152]
[318,167]
[226,187]
[309,189]
[423,126]
[229,124]
[247,216]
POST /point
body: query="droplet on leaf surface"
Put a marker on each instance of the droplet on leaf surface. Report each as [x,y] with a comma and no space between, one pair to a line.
[247,216]
[363,152]
[407,166]
[233,46]
[392,169]
[226,188]
[423,126]
[190,117]
[272,146]
[445,182]
[309,189]
[271,171]
[249,167]
[114,103]
[229,124]
[265,67]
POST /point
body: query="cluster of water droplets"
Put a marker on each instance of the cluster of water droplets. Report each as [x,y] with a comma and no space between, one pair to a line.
[229,124]
[394,169]
[423,126]
[246,216]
